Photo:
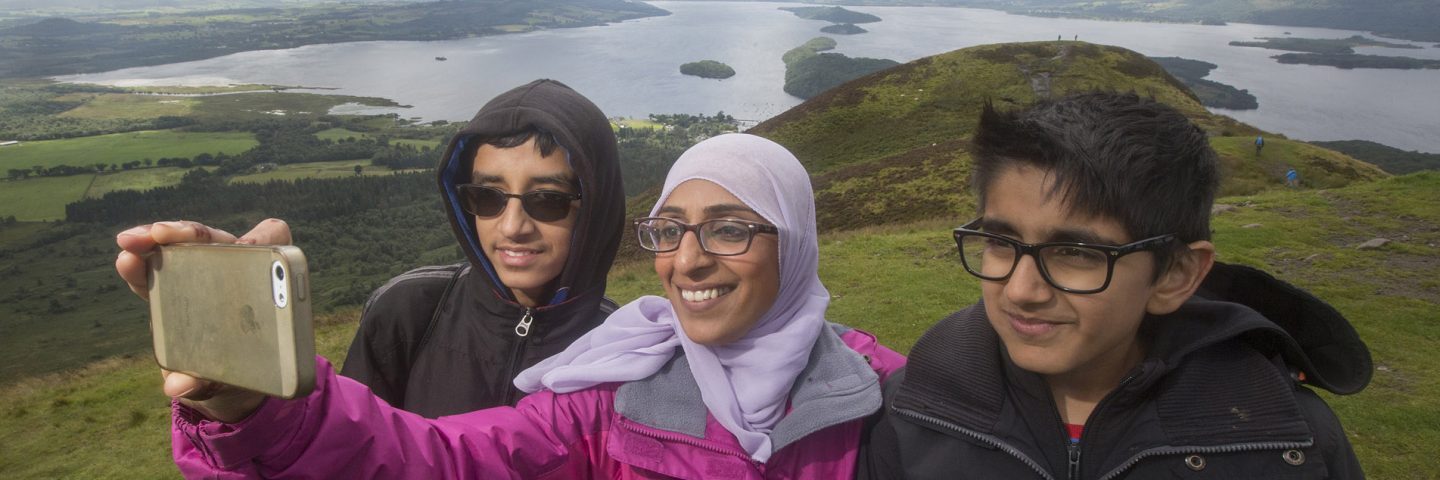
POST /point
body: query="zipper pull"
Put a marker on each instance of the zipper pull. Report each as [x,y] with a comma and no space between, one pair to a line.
[523,328]
[1074,461]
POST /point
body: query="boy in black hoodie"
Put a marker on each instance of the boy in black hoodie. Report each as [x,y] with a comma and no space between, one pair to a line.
[1090,357]
[532,189]
[533,192]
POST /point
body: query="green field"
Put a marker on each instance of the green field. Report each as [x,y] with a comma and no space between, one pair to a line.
[139,179]
[339,134]
[636,123]
[123,147]
[263,104]
[38,199]
[340,168]
[124,105]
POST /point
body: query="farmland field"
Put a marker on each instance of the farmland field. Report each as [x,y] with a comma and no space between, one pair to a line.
[123,147]
[138,179]
[339,134]
[124,105]
[342,168]
[44,198]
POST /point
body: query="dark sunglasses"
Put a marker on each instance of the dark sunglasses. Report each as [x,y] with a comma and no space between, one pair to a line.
[542,205]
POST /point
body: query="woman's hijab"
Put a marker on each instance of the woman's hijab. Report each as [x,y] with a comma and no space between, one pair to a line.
[745,384]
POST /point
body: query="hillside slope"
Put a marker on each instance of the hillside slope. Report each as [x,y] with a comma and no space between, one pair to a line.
[890,147]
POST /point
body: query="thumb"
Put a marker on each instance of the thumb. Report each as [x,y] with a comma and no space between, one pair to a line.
[179,385]
[271,231]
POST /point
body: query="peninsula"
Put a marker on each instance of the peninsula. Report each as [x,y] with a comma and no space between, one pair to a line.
[832,14]
[1212,93]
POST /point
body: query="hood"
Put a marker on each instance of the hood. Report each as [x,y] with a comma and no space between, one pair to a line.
[583,131]
[1311,335]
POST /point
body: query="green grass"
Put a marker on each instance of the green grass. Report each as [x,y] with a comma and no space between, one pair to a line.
[123,147]
[339,134]
[138,179]
[340,168]
[1318,167]
[122,105]
[637,123]
[38,199]
[111,410]
[255,105]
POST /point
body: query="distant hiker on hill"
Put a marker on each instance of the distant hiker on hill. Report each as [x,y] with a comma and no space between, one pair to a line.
[1292,179]
[1259,144]
[532,190]
[1108,343]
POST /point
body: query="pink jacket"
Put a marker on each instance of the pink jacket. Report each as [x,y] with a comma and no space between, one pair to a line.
[652,428]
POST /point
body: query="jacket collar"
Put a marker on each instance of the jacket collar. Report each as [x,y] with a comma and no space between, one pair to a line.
[958,373]
[836,386]
[566,320]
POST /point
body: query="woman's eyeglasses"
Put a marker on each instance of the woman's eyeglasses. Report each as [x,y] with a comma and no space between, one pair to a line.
[542,205]
[722,237]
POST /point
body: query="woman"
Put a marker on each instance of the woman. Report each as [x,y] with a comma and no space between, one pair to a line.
[734,374]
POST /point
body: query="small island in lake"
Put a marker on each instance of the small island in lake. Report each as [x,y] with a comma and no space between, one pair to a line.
[1349,61]
[843,29]
[831,14]
[708,69]
[1212,94]
[1320,45]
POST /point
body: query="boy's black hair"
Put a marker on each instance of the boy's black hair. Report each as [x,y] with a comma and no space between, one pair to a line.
[1111,155]
[544,143]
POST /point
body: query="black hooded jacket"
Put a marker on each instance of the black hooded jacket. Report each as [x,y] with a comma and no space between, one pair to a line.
[1219,395]
[450,339]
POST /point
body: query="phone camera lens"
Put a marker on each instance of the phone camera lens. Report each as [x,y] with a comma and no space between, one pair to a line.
[279,273]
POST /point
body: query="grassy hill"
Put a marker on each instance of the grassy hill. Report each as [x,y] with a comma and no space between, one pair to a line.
[883,146]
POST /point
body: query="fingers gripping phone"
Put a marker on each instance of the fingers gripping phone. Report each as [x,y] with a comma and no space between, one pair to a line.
[235,314]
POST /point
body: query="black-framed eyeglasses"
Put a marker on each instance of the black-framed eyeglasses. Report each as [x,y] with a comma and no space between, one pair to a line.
[1072,267]
[722,237]
[543,205]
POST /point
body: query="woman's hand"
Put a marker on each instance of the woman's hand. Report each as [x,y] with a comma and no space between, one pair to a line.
[137,243]
[217,401]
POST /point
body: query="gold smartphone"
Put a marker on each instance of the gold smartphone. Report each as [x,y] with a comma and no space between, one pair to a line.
[235,314]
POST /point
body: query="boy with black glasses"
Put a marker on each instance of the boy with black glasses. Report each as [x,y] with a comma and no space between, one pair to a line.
[1091,354]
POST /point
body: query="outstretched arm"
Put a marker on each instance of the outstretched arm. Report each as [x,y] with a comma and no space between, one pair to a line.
[343,431]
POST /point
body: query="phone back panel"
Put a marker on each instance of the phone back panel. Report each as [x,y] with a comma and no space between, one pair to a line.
[214,314]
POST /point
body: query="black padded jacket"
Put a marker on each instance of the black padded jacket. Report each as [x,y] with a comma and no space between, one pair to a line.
[1220,395]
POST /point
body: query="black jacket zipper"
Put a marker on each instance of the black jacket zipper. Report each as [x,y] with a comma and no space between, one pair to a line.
[522,330]
[987,439]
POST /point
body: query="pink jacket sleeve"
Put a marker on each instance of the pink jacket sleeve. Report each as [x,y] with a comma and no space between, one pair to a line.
[343,431]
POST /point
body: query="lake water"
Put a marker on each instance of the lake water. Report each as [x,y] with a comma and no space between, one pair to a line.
[632,68]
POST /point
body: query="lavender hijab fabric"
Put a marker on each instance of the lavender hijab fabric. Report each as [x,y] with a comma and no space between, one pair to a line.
[745,384]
